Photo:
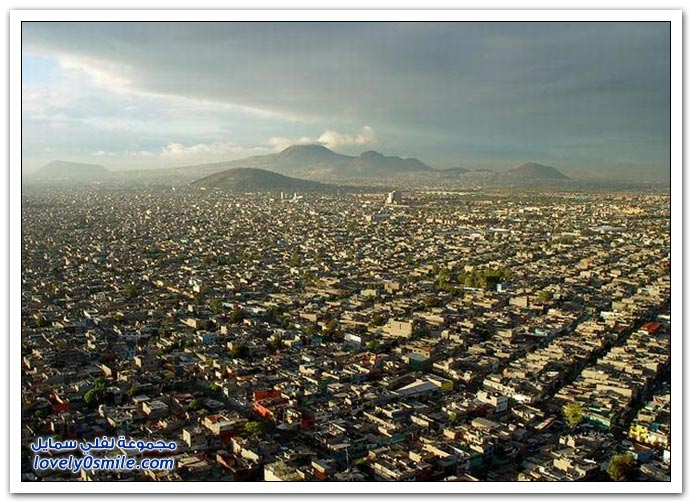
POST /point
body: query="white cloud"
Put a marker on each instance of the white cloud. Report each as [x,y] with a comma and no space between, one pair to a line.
[180,151]
[280,143]
[140,153]
[110,76]
[177,153]
[100,74]
[330,139]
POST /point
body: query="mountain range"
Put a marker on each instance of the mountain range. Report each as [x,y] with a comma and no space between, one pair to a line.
[308,167]
[316,162]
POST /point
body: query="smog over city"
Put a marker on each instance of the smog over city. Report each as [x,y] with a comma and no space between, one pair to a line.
[346,251]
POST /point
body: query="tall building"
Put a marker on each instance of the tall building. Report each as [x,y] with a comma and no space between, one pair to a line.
[394,197]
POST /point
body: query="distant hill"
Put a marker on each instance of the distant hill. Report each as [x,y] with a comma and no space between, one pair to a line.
[60,170]
[316,162]
[255,180]
[304,154]
[533,170]
[372,163]
[454,171]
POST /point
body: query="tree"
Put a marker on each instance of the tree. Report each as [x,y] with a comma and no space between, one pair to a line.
[486,278]
[254,428]
[312,329]
[331,326]
[377,320]
[215,306]
[97,392]
[274,312]
[237,315]
[194,404]
[240,351]
[276,342]
[130,291]
[574,413]
[295,259]
[621,467]
[164,329]
[457,292]
[421,331]
[545,296]
[518,460]
[431,301]
[443,278]
[372,345]
[40,321]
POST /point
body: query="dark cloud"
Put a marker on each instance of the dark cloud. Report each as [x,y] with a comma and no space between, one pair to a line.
[556,90]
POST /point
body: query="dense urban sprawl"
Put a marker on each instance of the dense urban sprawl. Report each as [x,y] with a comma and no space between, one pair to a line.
[486,335]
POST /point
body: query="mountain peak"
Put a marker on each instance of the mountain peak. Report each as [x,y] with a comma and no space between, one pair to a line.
[317,162]
[255,180]
[535,170]
[307,154]
[311,147]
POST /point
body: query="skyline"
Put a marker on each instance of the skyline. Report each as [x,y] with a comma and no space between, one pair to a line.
[588,98]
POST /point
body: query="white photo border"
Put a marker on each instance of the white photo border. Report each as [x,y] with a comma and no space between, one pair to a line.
[674,17]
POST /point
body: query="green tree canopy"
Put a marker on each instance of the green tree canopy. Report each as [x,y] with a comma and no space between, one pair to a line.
[372,345]
[130,291]
[312,329]
[275,343]
[237,315]
[621,467]
[215,306]
[240,351]
[443,277]
[254,428]
[574,413]
[97,393]
[545,296]
[331,327]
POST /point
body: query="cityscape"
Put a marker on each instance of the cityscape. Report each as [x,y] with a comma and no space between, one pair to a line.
[359,286]
[414,336]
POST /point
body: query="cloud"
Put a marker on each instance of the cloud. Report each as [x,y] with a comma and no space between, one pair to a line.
[100,73]
[176,151]
[114,76]
[280,143]
[450,90]
[330,139]
[175,154]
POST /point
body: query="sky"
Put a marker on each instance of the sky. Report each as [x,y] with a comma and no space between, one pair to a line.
[591,99]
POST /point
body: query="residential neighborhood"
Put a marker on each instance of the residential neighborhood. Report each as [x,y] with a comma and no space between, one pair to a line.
[422,335]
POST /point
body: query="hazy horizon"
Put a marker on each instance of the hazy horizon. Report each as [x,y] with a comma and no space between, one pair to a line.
[591,99]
